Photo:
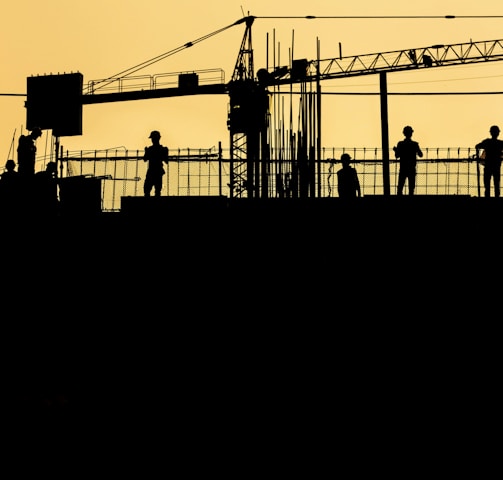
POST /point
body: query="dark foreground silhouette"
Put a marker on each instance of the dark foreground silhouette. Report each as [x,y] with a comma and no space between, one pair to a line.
[266,322]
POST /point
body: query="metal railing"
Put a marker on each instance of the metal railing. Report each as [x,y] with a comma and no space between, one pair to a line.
[203,172]
[153,82]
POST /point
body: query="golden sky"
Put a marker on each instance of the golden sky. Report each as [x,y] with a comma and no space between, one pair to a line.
[100,38]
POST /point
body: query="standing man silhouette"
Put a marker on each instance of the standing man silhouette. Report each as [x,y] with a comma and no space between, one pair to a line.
[9,186]
[493,150]
[407,150]
[348,184]
[27,151]
[156,154]
[10,177]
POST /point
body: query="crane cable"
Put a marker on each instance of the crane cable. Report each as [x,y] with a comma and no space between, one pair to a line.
[356,17]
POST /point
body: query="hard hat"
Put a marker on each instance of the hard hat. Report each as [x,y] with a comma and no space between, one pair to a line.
[345,157]
[407,128]
[51,167]
[154,134]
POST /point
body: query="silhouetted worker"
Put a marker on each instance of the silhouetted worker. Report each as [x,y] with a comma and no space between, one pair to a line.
[46,189]
[493,148]
[27,151]
[9,185]
[348,184]
[407,150]
[156,154]
[10,177]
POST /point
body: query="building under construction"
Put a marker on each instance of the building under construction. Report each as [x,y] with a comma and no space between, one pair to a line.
[267,156]
[270,169]
[248,309]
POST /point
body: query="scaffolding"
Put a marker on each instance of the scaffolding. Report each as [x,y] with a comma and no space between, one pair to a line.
[203,172]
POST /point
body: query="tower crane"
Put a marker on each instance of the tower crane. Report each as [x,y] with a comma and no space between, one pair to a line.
[254,105]
[56,101]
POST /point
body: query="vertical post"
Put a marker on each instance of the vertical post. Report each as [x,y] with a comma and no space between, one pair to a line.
[220,169]
[57,154]
[59,163]
[318,118]
[384,132]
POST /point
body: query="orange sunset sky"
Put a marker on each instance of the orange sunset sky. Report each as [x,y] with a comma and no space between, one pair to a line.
[105,37]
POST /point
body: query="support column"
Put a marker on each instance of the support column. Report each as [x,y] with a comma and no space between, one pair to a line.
[384,132]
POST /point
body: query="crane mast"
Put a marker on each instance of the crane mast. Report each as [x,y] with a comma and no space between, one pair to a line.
[247,123]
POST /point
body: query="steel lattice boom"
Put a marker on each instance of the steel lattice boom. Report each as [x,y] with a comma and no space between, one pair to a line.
[392,61]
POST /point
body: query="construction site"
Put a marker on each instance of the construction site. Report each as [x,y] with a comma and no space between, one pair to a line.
[269,168]
[247,241]
[274,179]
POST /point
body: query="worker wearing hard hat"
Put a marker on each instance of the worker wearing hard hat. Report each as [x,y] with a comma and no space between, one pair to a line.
[27,151]
[156,154]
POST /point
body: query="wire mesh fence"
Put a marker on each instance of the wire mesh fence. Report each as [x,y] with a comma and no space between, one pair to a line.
[201,172]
